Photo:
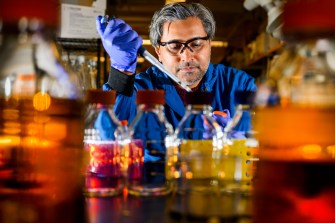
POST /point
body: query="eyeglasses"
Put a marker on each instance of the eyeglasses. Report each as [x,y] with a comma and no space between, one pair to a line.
[194,45]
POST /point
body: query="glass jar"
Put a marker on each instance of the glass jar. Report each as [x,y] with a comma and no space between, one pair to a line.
[295,174]
[149,136]
[242,137]
[201,143]
[41,119]
[102,166]
[205,175]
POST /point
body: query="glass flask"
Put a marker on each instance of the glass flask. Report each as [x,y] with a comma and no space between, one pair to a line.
[41,119]
[203,172]
[150,135]
[241,137]
[245,144]
[102,166]
[295,116]
[199,163]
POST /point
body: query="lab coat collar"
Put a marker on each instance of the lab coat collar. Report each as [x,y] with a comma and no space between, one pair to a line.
[208,79]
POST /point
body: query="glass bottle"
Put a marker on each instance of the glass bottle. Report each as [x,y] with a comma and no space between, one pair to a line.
[242,137]
[103,168]
[296,132]
[199,164]
[123,140]
[149,134]
[198,138]
[245,144]
[41,119]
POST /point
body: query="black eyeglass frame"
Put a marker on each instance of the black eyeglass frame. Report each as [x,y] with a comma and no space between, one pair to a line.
[185,44]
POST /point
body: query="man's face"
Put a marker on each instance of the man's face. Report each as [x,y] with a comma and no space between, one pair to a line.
[188,66]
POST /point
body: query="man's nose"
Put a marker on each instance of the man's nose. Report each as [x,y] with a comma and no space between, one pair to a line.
[186,47]
[186,53]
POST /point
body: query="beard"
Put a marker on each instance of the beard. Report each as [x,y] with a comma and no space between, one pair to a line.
[190,77]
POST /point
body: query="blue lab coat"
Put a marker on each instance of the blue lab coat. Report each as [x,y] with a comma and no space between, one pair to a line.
[221,80]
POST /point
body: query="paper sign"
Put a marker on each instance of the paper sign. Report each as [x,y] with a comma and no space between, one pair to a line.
[79,21]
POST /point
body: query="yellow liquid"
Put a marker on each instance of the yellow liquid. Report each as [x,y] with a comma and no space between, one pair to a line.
[199,170]
[40,160]
[237,157]
[197,157]
[249,156]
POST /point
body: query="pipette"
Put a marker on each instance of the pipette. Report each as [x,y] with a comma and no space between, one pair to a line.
[149,57]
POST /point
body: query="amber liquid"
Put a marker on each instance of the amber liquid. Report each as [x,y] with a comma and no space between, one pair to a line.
[295,178]
[40,161]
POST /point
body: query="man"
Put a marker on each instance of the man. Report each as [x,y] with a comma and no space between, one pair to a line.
[181,34]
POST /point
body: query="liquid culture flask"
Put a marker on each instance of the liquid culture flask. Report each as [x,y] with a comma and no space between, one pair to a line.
[295,176]
[41,119]
[242,141]
[102,166]
[150,135]
[245,145]
[196,163]
[200,165]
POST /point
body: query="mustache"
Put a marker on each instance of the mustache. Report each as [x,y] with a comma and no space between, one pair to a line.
[187,64]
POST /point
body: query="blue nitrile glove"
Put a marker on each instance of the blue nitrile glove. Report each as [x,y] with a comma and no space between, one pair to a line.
[121,43]
[222,118]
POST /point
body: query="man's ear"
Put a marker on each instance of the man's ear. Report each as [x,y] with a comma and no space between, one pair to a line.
[157,50]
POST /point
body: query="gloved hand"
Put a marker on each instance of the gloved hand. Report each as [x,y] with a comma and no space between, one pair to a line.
[121,43]
[222,118]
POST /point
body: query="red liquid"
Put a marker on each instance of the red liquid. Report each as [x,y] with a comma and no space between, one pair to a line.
[103,174]
[295,191]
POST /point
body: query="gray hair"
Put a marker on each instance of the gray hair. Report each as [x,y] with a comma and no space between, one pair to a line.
[180,11]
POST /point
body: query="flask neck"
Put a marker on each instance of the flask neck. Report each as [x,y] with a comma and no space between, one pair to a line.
[151,107]
[99,106]
[93,110]
[199,108]
[28,49]
[101,122]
